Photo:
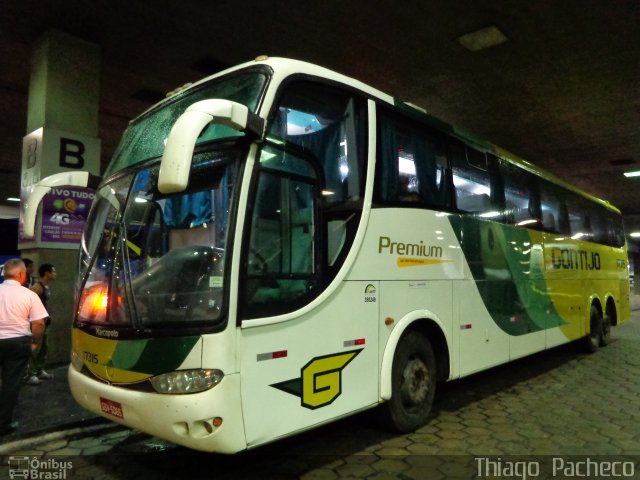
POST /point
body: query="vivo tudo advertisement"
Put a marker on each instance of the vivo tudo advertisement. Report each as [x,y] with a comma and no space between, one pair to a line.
[64,210]
[64,213]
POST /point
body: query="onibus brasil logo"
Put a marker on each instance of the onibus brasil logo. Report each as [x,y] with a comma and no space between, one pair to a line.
[34,468]
[320,381]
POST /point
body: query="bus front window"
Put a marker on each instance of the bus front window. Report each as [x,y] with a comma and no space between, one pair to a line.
[160,259]
[145,138]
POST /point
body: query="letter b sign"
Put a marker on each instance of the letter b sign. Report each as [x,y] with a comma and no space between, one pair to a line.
[71,152]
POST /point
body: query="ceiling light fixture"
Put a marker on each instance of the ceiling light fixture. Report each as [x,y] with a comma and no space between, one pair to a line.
[635,173]
[634,234]
[481,39]
[13,199]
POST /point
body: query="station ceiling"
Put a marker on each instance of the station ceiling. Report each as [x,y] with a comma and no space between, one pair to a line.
[562,90]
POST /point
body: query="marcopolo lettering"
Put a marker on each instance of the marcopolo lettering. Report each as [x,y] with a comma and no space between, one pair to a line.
[573,259]
[102,332]
[412,249]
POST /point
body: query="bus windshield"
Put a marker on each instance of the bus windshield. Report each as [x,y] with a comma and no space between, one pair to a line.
[145,137]
[152,261]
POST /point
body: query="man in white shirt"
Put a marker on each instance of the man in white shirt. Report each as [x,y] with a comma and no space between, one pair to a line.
[21,328]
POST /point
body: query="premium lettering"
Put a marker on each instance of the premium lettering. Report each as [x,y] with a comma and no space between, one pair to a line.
[412,249]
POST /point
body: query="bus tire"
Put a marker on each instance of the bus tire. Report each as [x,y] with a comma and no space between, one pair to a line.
[413,383]
[605,337]
[592,340]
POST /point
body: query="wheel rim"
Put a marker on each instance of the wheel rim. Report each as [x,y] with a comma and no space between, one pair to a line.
[415,383]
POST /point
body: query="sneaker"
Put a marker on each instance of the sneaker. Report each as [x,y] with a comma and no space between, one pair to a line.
[43,375]
[33,380]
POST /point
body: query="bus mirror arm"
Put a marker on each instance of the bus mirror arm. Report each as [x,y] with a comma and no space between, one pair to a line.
[176,159]
[44,186]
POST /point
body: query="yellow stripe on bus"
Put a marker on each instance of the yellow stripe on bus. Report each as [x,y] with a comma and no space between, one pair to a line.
[416,262]
[97,354]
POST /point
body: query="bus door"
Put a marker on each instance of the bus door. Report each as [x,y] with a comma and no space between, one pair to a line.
[308,342]
[300,366]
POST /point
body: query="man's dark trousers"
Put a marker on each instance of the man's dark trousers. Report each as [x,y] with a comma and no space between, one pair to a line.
[14,357]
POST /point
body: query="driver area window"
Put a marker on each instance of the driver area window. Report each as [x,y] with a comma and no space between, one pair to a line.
[308,192]
[281,269]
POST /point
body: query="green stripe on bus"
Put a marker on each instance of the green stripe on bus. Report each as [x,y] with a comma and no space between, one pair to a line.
[507,265]
[152,356]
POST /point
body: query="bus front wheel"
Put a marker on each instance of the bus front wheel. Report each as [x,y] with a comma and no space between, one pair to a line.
[413,383]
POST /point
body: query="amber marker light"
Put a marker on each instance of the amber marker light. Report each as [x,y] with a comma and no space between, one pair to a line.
[102,300]
[94,303]
[388,321]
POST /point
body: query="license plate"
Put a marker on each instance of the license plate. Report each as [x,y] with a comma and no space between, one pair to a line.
[110,407]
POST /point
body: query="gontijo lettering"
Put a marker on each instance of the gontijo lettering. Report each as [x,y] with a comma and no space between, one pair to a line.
[573,259]
[414,249]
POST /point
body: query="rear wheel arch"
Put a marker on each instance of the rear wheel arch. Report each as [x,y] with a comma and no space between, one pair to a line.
[612,311]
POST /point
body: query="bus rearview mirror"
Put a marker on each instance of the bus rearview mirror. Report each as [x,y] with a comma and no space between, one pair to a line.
[176,159]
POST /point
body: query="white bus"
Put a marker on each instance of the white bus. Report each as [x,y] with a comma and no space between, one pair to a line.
[279,246]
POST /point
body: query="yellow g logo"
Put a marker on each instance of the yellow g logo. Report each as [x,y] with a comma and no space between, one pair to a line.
[320,381]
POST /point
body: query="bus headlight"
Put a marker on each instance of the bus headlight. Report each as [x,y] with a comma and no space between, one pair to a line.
[76,362]
[186,381]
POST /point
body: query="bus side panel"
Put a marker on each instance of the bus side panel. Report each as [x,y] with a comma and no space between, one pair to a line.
[513,305]
[482,343]
[313,367]
[405,301]
[579,274]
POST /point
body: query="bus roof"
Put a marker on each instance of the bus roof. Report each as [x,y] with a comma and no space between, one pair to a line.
[283,67]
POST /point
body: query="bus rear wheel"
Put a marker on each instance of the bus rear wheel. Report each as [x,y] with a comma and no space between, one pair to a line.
[413,383]
[593,339]
[605,339]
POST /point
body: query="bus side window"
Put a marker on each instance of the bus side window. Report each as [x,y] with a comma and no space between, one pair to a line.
[555,218]
[521,196]
[475,191]
[412,163]
[599,227]
[578,217]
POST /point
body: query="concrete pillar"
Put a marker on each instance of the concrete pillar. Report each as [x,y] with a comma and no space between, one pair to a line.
[62,130]
[65,85]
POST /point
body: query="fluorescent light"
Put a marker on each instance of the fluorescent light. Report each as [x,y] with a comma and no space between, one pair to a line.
[484,38]
[406,164]
[634,234]
[635,173]
[12,199]
[527,222]
[492,214]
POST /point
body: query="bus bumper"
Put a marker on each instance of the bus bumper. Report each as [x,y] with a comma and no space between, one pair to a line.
[186,420]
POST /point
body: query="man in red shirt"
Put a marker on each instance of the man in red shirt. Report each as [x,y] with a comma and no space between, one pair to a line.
[21,328]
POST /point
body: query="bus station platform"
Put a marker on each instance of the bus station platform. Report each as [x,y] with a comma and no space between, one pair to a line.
[556,403]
